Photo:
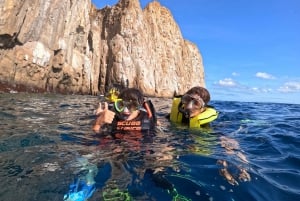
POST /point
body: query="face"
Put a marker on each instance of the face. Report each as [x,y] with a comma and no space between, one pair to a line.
[193,104]
[128,109]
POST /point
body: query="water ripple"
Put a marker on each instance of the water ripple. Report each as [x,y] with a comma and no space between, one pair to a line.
[41,137]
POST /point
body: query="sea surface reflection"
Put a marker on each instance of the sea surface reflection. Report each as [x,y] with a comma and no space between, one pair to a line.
[46,142]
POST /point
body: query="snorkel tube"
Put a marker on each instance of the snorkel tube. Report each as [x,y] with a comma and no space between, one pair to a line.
[183,110]
[112,95]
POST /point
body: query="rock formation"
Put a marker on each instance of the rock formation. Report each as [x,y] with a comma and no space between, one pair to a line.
[73,47]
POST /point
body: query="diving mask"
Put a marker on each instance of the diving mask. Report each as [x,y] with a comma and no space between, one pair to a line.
[192,102]
[131,105]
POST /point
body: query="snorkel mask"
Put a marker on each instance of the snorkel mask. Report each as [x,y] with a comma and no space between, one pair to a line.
[125,107]
[190,103]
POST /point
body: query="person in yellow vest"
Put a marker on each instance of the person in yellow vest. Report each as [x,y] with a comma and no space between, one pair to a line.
[192,108]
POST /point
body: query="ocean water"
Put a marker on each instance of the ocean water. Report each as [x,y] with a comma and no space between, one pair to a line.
[251,152]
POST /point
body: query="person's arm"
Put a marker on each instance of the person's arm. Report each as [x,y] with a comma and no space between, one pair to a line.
[104,116]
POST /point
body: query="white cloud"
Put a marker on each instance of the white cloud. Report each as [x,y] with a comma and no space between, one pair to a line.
[267,90]
[235,74]
[261,90]
[227,82]
[290,87]
[264,75]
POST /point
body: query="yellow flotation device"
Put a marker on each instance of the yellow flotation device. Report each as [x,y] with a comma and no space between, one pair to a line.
[209,115]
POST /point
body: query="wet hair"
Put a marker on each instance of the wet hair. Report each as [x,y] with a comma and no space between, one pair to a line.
[132,94]
[202,92]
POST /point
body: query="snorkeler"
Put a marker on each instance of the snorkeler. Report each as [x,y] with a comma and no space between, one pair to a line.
[130,112]
[192,109]
[130,118]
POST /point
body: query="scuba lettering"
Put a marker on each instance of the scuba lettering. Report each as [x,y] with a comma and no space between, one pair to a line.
[129,125]
[179,115]
[141,123]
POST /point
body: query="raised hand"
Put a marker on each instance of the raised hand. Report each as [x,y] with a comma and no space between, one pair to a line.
[105,116]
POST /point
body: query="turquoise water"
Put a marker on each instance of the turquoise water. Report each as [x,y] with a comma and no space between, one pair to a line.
[46,141]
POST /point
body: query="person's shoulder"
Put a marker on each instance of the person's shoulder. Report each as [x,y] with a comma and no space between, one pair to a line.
[150,109]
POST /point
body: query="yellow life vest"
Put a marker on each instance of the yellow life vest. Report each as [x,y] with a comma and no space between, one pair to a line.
[205,117]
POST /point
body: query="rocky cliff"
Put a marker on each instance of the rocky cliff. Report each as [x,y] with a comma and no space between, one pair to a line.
[70,46]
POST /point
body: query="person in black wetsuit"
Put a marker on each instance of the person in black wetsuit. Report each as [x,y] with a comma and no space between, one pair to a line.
[130,112]
[130,118]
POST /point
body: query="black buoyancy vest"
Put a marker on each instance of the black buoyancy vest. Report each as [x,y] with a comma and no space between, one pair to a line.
[146,120]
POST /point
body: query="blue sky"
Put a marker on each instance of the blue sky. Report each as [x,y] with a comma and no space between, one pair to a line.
[250,48]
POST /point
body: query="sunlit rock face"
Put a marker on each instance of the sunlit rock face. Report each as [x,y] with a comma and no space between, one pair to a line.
[72,47]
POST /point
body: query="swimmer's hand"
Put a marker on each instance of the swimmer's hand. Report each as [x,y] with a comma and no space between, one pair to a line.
[105,116]
[101,108]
